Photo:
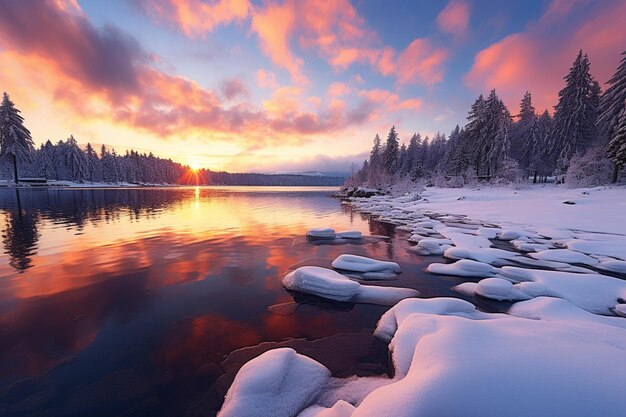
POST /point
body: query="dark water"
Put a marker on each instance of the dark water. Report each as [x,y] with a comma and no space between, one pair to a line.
[126,302]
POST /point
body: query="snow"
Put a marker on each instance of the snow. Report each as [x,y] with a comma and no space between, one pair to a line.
[613,266]
[463,268]
[487,255]
[327,283]
[593,292]
[321,233]
[558,351]
[350,234]
[612,248]
[279,383]
[340,409]
[364,264]
[564,255]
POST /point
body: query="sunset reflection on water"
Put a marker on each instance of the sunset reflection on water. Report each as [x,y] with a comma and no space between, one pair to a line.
[147,290]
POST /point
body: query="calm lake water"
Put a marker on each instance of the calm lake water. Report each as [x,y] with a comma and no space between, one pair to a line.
[126,302]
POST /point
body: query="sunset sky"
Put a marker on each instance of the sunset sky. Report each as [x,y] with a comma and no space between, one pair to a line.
[286,85]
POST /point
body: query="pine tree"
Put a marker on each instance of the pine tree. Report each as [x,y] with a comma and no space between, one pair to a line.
[15,140]
[390,154]
[612,118]
[522,130]
[375,168]
[617,147]
[91,161]
[75,160]
[474,131]
[575,114]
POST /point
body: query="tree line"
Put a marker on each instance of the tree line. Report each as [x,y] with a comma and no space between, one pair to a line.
[583,143]
[67,161]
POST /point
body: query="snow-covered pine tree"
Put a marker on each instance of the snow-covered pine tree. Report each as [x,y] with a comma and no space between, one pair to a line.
[522,130]
[617,147]
[390,153]
[75,160]
[533,153]
[376,163]
[402,156]
[574,127]
[411,154]
[15,140]
[92,161]
[474,132]
[612,118]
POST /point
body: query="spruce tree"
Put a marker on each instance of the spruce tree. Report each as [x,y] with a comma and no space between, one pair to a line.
[612,118]
[574,128]
[15,140]
[390,154]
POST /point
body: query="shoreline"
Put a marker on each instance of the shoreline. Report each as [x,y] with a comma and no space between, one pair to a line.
[563,273]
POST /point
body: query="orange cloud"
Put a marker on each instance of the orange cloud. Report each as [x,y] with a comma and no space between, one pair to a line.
[538,58]
[454,18]
[196,17]
[338,89]
[273,25]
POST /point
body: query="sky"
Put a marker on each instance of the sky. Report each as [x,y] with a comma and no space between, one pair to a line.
[286,85]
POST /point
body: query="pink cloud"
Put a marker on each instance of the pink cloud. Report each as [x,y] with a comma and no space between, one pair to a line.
[538,58]
[338,89]
[266,79]
[104,75]
[454,18]
[196,17]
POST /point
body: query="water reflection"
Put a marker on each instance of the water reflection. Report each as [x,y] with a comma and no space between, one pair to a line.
[126,301]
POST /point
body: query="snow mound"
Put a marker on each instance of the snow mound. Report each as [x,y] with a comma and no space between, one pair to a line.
[350,234]
[463,268]
[340,409]
[364,264]
[277,383]
[453,364]
[330,284]
[564,255]
[486,255]
[321,233]
[550,308]
[620,310]
[431,246]
[616,249]
[613,266]
[389,322]
[593,292]
[499,289]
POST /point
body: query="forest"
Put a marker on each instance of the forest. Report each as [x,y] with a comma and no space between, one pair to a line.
[583,143]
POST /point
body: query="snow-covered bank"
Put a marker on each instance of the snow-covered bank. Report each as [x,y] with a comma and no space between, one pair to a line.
[599,209]
[559,351]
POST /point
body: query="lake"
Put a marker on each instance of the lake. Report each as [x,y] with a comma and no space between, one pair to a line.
[129,301]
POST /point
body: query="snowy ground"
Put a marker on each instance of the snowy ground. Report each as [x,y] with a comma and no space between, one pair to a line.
[560,350]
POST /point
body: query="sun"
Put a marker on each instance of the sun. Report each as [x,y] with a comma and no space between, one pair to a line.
[194,164]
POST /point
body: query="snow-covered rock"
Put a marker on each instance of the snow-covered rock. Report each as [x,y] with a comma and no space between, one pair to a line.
[340,409]
[463,268]
[279,383]
[321,233]
[499,289]
[613,266]
[350,234]
[487,255]
[327,283]
[364,264]
[564,255]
